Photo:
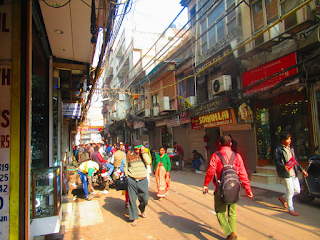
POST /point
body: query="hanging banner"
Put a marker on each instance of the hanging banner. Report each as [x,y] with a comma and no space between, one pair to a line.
[161,123]
[185,117]
[173,122]
[138,124]
[264,71]
[92,129]
[71,110]
[5,113]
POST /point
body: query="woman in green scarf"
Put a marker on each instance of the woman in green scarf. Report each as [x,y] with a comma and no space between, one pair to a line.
[161,168]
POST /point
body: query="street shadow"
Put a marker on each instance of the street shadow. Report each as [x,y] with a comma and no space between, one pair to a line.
[153,195]
[187,226]
[117,207]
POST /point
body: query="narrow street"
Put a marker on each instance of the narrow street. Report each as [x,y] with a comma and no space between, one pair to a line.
[187,214]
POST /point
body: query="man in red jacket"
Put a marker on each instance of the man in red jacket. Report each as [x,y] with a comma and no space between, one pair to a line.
[215,167]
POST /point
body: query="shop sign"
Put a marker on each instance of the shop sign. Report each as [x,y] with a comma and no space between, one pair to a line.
[138,124]
[264,71]
[92,129]
[184,117]
[174,121]
[161,123]
[217,119]
[71,110]
[211,106]
[5,113]
[195,123]
[245,113]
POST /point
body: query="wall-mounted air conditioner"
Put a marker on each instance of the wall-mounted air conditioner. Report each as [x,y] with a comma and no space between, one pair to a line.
[156,111]
[147,112]
[221,84]
[192,100]
[164,104]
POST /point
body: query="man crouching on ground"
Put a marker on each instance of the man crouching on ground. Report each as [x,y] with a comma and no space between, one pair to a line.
[136,172]
[215,167]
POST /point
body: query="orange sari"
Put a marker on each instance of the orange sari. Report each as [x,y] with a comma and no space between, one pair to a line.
[163,180]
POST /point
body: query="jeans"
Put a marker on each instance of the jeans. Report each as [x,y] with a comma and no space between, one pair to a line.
[110,168]
[197,163]
[83,178]
[292,185]
[138,189]
[228,225]
[180,162]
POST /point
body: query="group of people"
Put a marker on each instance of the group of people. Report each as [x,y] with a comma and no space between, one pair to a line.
[135,167]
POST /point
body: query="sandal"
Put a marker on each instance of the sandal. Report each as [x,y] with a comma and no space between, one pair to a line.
[143,214]
[284,203]
[134,223]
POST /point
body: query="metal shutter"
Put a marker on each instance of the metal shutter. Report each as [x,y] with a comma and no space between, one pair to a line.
[157,138]
[246,147]
[180,135]
[196,142]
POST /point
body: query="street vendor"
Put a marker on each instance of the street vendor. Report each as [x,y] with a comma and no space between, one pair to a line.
[87,168]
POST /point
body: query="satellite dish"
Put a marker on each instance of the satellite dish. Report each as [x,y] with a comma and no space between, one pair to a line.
[216,86]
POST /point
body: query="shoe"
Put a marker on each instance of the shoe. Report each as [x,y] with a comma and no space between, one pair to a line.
[232,236]
[88,198]
[198,171]
[293,213]
[284,203]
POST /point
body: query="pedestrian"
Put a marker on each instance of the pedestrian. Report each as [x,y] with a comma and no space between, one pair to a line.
[96,156]
[197,161]
[149,170]
[91,149]
[86,153]
[234,146]
[161,168]
[80,154]
[287,169]
[228,225]
[180,154]
[136,172]
[87,168]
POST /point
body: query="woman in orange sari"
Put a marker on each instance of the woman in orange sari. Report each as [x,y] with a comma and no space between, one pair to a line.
[161,168]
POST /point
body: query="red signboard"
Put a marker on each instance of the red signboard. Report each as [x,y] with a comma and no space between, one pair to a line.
[264,71]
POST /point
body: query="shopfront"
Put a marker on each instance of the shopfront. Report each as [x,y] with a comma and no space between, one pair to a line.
[287,112]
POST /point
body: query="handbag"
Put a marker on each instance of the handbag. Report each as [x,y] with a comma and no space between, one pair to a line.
[121,184]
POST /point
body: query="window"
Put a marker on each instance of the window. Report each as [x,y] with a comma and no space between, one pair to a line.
[220,21]
[265,12]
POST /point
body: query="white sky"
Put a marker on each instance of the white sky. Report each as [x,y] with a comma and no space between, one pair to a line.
[154,15]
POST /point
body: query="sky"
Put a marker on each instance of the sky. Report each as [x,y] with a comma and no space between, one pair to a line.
[154,15]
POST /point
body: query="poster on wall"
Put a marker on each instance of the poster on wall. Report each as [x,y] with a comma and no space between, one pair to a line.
[244,113]
[5,103]
[266,70]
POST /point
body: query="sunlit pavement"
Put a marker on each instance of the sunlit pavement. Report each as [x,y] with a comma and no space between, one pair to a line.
[187,214]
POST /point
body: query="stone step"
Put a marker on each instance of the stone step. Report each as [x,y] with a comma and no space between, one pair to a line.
[271,170]
[263,178]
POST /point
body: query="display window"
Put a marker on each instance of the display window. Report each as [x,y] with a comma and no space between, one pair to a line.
[292,117]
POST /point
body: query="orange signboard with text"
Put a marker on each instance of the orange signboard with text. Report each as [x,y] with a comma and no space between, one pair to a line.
[216,119]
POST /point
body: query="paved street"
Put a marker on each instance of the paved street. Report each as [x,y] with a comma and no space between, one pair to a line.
[187,214]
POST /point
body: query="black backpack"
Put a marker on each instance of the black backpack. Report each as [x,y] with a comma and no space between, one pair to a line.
[229,185]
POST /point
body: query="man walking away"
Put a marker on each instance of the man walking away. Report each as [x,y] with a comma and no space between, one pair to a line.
[287,168]
[228,225]
[136,172]
[180,154]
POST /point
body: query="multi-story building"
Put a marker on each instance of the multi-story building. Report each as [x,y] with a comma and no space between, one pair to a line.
[252,73]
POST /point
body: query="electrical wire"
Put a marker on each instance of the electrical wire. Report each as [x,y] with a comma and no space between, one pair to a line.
[60,6]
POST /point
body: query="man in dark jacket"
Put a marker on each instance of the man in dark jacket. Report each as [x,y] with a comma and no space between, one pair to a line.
[197,161]
[287,168]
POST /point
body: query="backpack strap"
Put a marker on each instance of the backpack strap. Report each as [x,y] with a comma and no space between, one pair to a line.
[224,161]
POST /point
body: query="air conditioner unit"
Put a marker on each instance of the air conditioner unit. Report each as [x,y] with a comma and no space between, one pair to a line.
[155,111]
[221,84]
[147,112]
[192,100]
[164,104]
[315,6]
